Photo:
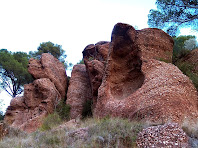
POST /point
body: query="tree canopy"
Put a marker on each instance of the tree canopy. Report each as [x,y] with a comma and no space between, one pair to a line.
[13,71]
[180,48]
[174,14]
[54,49]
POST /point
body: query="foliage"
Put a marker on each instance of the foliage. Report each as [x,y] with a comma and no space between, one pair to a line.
[87,109]
[50,121]
[81,62]
[107,132]
[1,115]
[174,14]
[190,44]
[187,69]
[63,110]
[13,71]
[179,49]
[54,49]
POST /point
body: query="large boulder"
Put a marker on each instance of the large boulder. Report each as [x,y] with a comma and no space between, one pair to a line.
[40,97]
[79,90]
[143,88]
[39,100]
[49,67]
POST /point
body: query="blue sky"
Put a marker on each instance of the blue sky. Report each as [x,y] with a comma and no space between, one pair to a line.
[71,23]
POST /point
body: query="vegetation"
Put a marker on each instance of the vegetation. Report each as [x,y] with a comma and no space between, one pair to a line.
[174,14]
[50,121]
[180,49]
[107,132]
[13,71]
[81,62]
[63,110]
[87,109]
[1,113]
[54,49]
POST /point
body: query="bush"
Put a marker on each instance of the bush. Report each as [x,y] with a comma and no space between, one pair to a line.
[187,69]
[63,110]
[50,121]
[87,109]
[1,115]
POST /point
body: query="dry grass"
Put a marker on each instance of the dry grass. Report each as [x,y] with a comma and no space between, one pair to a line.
[107,132]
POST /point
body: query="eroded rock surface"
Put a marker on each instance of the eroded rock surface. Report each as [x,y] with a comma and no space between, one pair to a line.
[136,86]
[163,136]
[39,100]
[99,51]
[49,67]
[79,90]
[40,97]
[154,44]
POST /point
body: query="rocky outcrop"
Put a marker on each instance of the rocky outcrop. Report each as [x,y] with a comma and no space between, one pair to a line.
[163,136]
[154,44]
[99,51]
[40,97]
[79,91]
[95,57]
[49,67]
[140,87]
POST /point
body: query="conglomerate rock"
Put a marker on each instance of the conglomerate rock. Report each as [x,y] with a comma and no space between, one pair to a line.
[40,97]
[26,112]
[49,67]
[79,90]
[138,87]
[95,57]
[163,136]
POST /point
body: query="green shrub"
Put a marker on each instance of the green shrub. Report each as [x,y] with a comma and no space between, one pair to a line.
[87,109]
[187,69]
[63,110]
[1,115]
[50,121]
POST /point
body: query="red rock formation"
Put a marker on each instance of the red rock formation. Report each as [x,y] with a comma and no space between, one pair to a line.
[163,136]
[49,67]
[95,57]
[99,51]
[79,90]
[27,112]
[95,71]
[40,97]
[155,44]
[137,87]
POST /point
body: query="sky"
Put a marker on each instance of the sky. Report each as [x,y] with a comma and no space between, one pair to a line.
[74,24]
